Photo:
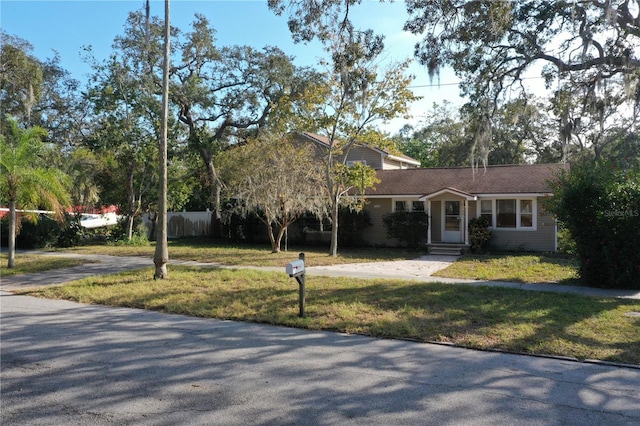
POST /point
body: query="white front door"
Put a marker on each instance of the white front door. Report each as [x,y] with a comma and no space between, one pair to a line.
[452,222]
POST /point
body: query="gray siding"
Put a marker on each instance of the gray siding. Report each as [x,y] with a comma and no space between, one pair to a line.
[371,157]
[377,233]
[542,239]
[436,221]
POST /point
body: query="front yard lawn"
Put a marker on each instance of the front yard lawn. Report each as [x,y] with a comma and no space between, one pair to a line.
[523,268]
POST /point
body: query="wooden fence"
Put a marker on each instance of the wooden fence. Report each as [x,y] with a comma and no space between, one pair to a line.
[186,224]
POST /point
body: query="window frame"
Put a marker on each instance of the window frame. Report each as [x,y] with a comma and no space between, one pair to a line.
[518,207]
[408,205]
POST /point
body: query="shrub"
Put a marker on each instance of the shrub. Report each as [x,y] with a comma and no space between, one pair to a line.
[566,243]
[599,204]
[118,234]
[479,234]
[44,232]
[351,227]
[409,228]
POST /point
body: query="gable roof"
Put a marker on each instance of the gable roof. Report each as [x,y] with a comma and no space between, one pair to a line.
[512,179]
[324,141]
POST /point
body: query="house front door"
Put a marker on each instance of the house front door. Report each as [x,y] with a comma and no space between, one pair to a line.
[452,223]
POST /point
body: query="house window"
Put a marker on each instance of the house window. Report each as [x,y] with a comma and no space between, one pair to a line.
[510,213]
[506,214]
[526,213]
[408,206]
[354,162]
[401,206]
[486,210]
[417,206]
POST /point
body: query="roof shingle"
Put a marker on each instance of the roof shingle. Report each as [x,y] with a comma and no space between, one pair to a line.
[512,179]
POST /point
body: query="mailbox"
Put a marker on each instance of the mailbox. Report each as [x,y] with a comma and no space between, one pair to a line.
[295,268]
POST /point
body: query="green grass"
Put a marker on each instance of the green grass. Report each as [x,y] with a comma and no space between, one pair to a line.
[475,317]
[29,264]
[516,268]
[210,251]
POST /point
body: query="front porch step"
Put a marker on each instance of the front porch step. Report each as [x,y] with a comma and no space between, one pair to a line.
[447,249]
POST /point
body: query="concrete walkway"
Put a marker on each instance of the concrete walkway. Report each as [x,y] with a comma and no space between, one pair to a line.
[64,363]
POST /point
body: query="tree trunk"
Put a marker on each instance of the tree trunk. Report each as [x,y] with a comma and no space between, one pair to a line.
[131,200]
[278,241]
[275,245]
[161,256]
[12,234]
[335,208]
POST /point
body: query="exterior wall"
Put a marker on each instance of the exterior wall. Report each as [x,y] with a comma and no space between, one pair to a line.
[436,221]
[542,239]
[377,233]
[371,157]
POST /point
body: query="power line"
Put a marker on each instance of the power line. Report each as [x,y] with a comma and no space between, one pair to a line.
[458,83]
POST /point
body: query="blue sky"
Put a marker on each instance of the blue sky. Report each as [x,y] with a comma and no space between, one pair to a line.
[67,26]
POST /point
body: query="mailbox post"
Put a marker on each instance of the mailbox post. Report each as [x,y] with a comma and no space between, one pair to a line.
[296,270]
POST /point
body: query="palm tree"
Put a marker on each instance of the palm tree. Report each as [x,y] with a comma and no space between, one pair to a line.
[24,182]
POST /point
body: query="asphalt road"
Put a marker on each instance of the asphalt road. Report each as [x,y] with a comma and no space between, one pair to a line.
[64,363]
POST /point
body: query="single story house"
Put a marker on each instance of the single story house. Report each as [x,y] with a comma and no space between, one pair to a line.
[509,196]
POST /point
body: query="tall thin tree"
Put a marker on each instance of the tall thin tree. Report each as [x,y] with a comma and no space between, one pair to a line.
[161,257]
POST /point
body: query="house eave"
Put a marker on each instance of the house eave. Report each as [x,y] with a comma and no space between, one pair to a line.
[514,194]
[467,196]
[403,160]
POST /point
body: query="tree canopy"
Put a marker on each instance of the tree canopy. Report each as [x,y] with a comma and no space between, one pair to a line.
[586,51]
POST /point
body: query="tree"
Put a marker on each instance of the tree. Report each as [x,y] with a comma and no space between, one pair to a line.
[40,92]
[124,135]
[599,203]
[84,166]
[161,256]
[125,92]
[522,131]
[357,93]
[61,109]
[25,181]
[20,80]
[356,98]
[226,95]
[277,180]
[587,48]
[441,141]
